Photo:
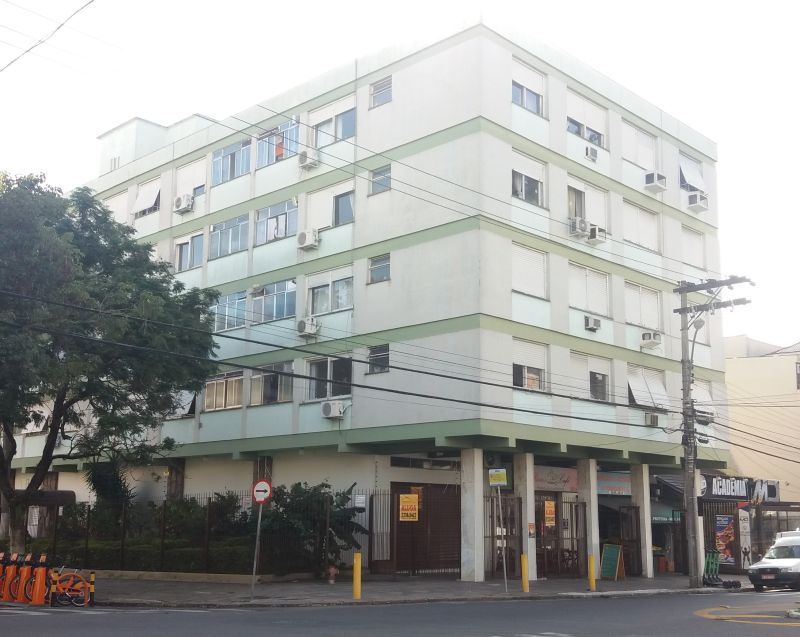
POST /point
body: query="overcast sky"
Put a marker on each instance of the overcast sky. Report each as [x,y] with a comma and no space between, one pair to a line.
[727,69]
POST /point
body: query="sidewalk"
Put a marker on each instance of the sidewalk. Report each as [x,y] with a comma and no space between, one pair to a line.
[402,590]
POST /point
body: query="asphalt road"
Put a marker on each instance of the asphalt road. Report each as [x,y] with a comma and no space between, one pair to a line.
[714,615]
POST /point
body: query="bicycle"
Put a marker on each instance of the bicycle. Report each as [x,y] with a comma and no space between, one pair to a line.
[70,588]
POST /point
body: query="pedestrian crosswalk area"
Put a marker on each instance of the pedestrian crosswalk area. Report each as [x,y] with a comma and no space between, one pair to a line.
[538,635]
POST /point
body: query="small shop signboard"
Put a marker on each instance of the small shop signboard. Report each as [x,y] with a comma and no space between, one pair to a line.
[549,513]
[498,478]
[409,507]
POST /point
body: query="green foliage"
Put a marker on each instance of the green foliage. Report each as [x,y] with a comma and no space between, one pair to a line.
[54,377]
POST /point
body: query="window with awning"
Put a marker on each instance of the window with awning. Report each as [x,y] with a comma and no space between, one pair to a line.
[691,174]
[703,402]
[646,387]
[148,198]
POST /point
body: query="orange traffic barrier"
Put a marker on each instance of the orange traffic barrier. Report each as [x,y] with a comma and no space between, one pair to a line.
[9,572]
[25,572]
[39,592]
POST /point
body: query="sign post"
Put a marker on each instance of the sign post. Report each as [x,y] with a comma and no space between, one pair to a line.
[498,478]
[262,492]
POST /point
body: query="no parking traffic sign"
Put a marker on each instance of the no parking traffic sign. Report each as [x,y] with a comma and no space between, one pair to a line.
[262,492]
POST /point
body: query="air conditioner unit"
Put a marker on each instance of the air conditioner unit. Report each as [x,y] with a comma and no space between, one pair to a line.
[592,324]
[307,239]
[308,326]
[650,419]
[309,158]
[596,235]
[591,153]
[703,415]
[578,227]
[183,203]
[650,340]
[333,409]
[698,202]
[655,182]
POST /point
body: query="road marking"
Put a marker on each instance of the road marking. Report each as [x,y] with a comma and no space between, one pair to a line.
[11,611]
[729,614]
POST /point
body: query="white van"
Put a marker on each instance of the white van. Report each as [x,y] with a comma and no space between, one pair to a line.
[781,564]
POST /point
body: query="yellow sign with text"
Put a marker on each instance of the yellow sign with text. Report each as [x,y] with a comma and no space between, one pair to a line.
[409,507]
[498,478]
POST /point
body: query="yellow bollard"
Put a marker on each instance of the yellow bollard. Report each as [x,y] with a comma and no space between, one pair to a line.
[523,559]
[357,576]
[592,581]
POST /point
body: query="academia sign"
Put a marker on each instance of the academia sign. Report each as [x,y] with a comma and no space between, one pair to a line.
[739,489]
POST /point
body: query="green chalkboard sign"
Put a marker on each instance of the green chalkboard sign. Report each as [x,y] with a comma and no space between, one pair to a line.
[610,561]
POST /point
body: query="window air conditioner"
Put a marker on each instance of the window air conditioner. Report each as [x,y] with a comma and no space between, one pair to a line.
[307,239]
[578,227]
[308,326]
[650,419]
[596,236]
[591,153]
[650,340]
[655,182]
[309,158]
[698,202]
[703,415]
[333,409]
[592,324]
[183,203]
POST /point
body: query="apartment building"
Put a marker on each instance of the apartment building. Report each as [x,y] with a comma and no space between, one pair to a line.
[439,261]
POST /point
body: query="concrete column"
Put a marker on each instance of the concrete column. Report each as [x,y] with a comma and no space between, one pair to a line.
[640,495]
[587,492]
[701,535]
[472,481]
[524,489]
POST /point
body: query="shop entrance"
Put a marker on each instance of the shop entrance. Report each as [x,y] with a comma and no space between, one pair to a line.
[560,537]
[502,533]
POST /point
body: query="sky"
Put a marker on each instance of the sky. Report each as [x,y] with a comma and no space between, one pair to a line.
[726,69]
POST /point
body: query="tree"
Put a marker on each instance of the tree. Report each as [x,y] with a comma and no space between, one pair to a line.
[104,401]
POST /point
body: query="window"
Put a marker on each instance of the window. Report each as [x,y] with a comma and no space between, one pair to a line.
[379,269]
[199,190]
[343,208]
[380,92]
[229,311]
[641,226]
[269,386]
[223,391]
[797,374]
[587,202]
[191,178]
[230,162]
[576,203]
[330,291]
[703,402]
[691,174]
[278,143]
[638,147]
[228,237]
[642,306]
[277,221]
[189,253]
[586,119]
[379,359]
[526,188]
[115,162]
[528,271]
[274,301]
[590,376]
[330,377]
[588,289]
[380,180]
[335,129]
[148,199]
[646,387]
[529,365]
[693,246]
[526,98]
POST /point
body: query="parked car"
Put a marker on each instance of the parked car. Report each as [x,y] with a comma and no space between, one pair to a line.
[780,567]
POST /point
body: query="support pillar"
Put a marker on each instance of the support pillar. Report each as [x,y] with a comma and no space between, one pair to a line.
[701,536]
[472,549]
[640,496]
[587,492]
[524,489]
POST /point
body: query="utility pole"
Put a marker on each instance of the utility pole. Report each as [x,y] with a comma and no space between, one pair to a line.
[689,440]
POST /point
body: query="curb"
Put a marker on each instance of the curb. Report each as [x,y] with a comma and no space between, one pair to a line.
[519,597]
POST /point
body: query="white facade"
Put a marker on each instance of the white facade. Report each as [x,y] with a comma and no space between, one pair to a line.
[464,162]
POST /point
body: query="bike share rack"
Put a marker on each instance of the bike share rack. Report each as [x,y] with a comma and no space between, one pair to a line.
[24,580]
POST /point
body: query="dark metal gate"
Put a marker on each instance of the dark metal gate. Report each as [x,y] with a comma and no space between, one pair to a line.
[560,537]
[631,539]
[502,533]
[429,546]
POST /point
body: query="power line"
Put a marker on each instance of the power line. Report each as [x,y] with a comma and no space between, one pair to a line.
[55,20]
[47,37]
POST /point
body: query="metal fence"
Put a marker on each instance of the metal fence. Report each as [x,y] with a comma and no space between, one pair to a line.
[205,533]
